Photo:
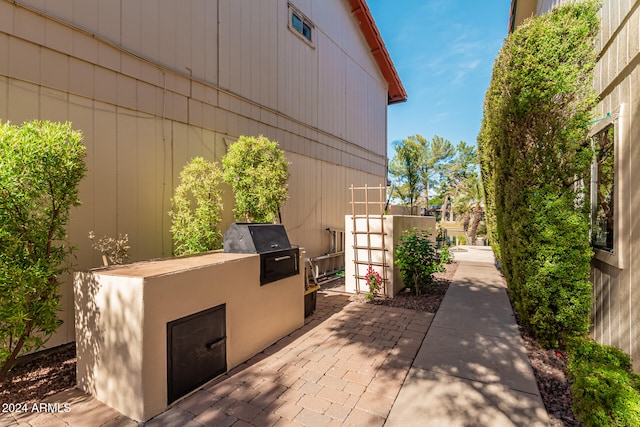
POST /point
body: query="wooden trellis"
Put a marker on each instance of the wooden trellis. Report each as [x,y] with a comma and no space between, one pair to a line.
[372,213]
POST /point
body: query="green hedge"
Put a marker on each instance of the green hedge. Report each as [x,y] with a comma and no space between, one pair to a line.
[555,296]
[534,150]
[605,390]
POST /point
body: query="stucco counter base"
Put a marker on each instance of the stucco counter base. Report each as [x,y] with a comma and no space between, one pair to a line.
[122,314]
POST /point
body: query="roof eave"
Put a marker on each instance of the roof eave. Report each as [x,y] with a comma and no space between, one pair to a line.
[360,10]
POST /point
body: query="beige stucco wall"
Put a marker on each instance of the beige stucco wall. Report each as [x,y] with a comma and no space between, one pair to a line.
[122,315]
[545,6]
[393,226]
[152,85]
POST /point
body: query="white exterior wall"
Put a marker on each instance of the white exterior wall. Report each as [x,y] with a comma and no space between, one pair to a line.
[153,84]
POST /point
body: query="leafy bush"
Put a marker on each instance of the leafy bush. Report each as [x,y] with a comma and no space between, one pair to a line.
[197,209]
[482,229]
[41,165]
[534,149]
[417,258]
[605,391]
[446,257]
[257,171]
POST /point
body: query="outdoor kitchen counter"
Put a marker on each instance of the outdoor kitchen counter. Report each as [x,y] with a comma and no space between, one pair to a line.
[162,267]
[123,315]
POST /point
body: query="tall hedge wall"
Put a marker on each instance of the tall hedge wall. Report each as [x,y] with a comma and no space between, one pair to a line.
[534,150]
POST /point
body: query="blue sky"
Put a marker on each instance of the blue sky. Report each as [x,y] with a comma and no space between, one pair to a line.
[444,52]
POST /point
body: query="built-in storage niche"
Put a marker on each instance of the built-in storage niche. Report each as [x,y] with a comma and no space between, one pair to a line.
[196,350]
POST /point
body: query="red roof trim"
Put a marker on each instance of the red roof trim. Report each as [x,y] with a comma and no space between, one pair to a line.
[360,10]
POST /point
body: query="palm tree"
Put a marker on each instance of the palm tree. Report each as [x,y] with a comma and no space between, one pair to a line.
[469,203]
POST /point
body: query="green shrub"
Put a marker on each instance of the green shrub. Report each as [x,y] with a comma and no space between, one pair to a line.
[605,391]
[446,257]
[257,171]
[41,166]
[554,300]
[482,229]
[417,258]
[534,149]
[196,209]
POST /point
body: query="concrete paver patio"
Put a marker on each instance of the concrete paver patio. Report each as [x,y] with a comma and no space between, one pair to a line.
[344,367]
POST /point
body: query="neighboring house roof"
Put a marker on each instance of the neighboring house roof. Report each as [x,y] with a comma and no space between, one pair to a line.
[360,10]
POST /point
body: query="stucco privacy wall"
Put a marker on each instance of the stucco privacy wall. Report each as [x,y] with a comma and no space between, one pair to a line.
[394,226]
[152,85]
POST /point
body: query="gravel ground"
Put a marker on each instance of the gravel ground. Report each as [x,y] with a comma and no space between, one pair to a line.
[53,371]
[550,370]
[41,375]
[429,301]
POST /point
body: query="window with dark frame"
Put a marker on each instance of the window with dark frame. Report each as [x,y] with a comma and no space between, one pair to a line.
[301,24]
[603,203]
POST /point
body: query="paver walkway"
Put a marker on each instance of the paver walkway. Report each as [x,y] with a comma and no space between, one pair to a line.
[344,367]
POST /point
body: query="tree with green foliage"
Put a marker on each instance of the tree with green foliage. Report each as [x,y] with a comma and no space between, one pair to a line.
[534,150]
[462,165]
[41,165]
[469,203]
[196,208]
[257,171]
[417,166]
[405,168]
[437,155]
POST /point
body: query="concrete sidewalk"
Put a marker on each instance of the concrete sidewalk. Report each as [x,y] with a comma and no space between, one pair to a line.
[472,368]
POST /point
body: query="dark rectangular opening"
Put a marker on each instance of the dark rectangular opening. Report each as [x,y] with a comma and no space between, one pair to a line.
[278,265]
[196,350]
